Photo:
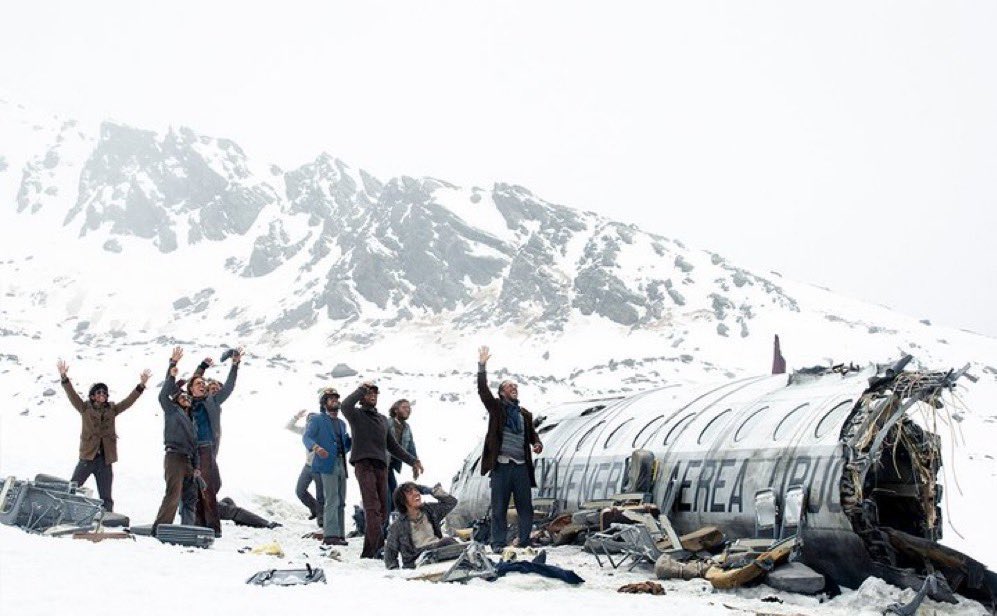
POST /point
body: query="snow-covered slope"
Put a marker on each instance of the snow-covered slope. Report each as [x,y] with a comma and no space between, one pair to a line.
[118,243]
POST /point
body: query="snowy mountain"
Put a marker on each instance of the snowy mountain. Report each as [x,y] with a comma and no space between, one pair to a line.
[120,242]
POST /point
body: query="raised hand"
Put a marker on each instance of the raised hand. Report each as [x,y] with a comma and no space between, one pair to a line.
[483,355]
[237,357]
[177,355]
[63,367]
[209,361]
[300,414]
[144,377]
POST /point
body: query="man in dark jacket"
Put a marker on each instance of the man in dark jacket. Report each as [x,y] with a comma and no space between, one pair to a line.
[326,437]
[418,528]
[373,442]
[509,443]
[206,410]
[98,435]
[180,441]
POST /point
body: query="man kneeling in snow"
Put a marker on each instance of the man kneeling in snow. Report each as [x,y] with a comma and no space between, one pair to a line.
[417,528]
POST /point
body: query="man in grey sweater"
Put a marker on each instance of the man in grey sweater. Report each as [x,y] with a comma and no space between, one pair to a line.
[373,444]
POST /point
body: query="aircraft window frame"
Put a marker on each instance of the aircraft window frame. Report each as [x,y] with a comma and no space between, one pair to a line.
[817,433]
[782,422]
[588,433]
[741,433]
[633,444]
[712,423]
[605,444]
[548,428]
[681,422]
[592,410]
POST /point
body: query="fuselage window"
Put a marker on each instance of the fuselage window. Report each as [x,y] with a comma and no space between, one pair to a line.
[645,430]
[609,438]
[546,429]
[790,421]
[832,418]
[674,431]
[713,427]
[592,410]
[586,435]
[749,423]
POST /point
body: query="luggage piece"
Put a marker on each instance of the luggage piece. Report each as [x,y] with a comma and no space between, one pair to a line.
[795,577]
[447,552]
[37,507]
[588,518]
[288,577]
[95,537]
[705,538]
[114,520]
[179,534]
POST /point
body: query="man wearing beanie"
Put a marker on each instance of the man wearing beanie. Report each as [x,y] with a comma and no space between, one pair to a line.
[509,443]
[98,436]
[326,437]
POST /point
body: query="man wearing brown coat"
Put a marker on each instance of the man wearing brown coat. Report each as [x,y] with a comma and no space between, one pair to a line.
[98,436]
[509,444]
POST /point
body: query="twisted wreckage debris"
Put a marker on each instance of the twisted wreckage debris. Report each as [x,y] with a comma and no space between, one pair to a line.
[53,506]
[824,468]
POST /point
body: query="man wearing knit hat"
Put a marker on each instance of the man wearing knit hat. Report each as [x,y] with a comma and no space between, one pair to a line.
[98,436]
[509,445]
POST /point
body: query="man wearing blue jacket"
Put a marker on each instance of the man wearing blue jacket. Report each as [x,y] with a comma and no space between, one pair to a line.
[326,436]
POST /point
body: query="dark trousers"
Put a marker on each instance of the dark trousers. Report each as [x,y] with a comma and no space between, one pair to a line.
[315,504]
[177,467]
[511,479]
[102,472]
[372,476]
[207,503]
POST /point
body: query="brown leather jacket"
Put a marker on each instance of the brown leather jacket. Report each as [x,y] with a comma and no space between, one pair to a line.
[496,420]
[98,422]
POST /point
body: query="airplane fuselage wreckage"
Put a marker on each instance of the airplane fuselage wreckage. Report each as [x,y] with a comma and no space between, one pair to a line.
[828,455]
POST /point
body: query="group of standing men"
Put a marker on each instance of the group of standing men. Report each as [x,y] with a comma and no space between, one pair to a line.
[191,437]
[377,446]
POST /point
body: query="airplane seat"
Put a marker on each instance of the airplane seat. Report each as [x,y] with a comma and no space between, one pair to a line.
[794,510]
[640,472]
[766,513]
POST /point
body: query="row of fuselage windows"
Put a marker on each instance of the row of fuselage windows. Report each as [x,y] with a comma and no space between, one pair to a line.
[786,426]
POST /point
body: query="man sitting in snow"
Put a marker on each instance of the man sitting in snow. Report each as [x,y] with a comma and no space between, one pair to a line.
[98,437]
[417,529]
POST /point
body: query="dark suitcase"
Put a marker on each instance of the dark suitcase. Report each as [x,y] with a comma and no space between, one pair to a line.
[179,534]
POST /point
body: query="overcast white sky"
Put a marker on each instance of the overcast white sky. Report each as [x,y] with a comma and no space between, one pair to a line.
[848,144]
